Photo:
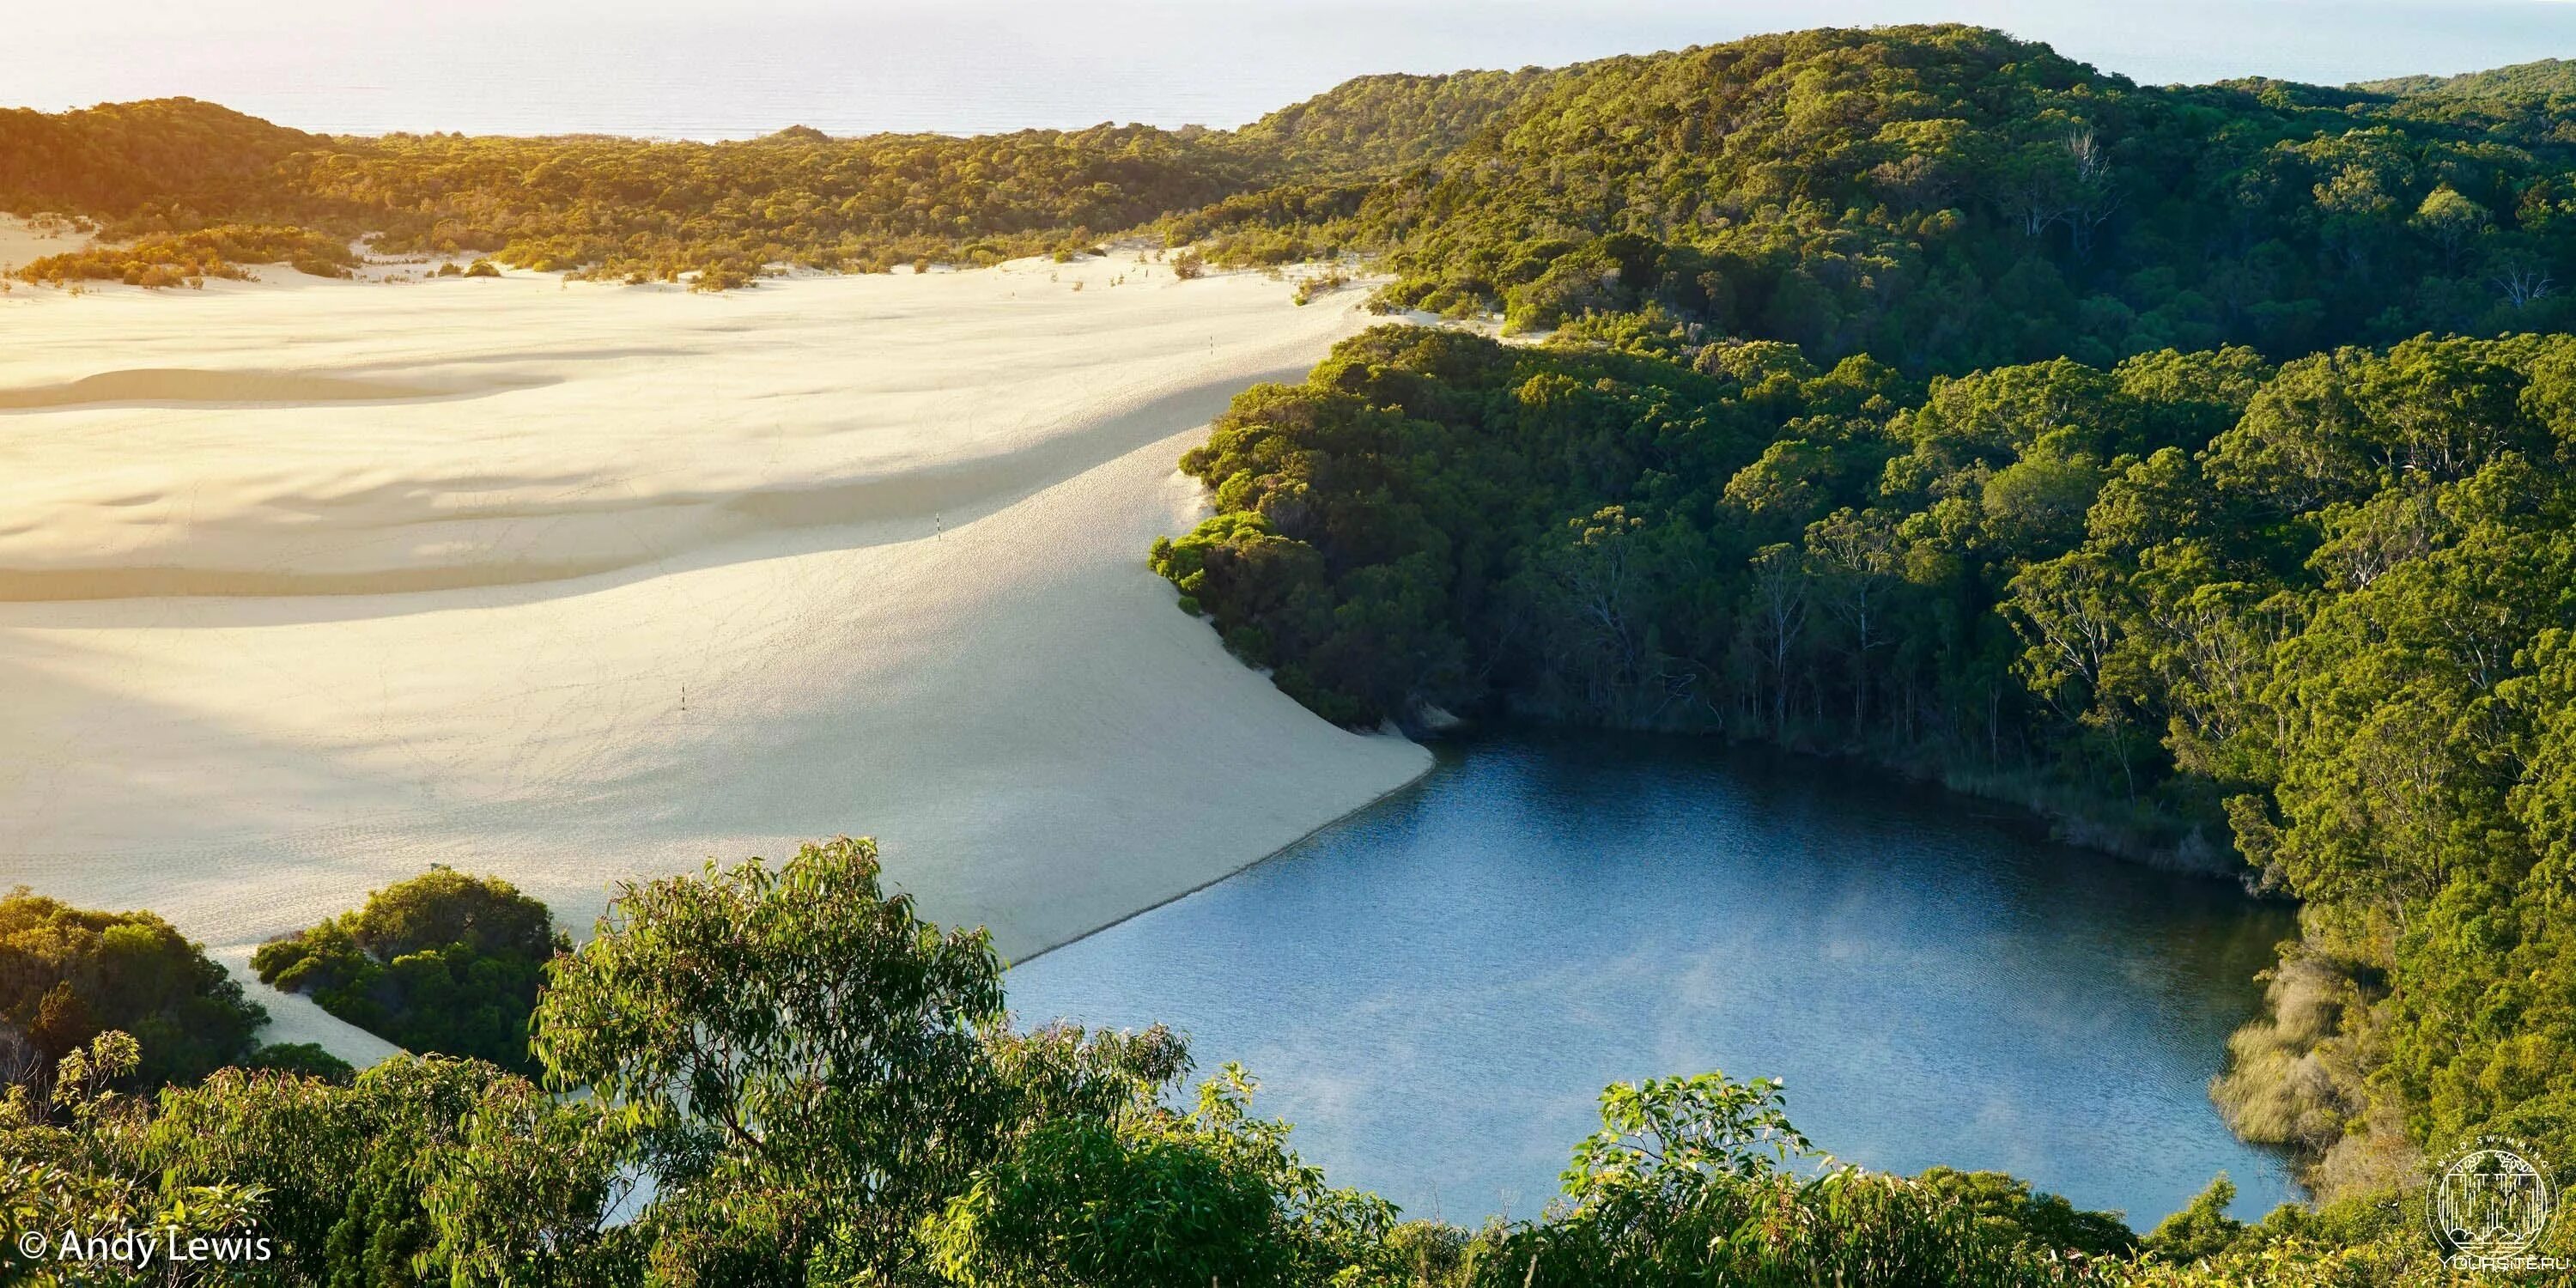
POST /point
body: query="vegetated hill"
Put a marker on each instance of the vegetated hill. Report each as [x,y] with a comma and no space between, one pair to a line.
[631,207]
[624,206]
[174,158]
[1378,124]
[1947,198]
[2547,78]
[1942,197]
[612,206]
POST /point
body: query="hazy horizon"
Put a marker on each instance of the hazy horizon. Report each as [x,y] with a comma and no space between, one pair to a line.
[661,68]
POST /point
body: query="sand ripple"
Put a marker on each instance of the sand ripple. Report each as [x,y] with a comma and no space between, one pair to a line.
[314,586]
[179,386]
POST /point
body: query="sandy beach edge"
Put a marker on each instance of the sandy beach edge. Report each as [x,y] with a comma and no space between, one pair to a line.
[1311,833]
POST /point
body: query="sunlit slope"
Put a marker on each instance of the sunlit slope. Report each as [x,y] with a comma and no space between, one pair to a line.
[309,587]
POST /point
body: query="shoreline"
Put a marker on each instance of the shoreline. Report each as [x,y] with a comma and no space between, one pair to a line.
[1345,816]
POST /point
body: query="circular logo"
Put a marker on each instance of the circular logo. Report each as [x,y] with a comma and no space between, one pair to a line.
[2490,1201]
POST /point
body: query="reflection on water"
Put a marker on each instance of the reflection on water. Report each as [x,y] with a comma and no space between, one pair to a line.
[1435,989]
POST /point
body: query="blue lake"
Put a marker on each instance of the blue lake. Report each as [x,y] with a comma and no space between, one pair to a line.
[1435,989]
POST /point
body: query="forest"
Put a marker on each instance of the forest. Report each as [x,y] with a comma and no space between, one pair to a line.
[2284,592]
[1941,198]
[2194,466]
[153,175]
[1947,199]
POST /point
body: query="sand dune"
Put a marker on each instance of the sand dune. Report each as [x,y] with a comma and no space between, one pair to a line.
[22,242]
[311,584]
[173,387]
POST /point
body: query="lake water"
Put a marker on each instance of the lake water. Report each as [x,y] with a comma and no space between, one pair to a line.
[691,69]
[1435,989]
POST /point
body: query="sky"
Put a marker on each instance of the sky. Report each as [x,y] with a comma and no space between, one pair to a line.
[716,70]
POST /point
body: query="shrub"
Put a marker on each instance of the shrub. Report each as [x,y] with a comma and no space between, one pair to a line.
[171,259]
[1322,284]
[443,962]
[69,974]
[299,1059]
[1154,1197]
[722,277]
[1689,1182]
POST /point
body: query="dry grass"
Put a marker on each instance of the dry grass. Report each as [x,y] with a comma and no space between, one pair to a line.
[2295,1077]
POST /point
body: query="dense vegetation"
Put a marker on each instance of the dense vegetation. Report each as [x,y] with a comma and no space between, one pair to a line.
[1935,197]
[1379,124]
[617,207]
[1944,198]
[1949,198]
[165,163]
[189,258]
[444,963]
[68,975]
[2546,79]
[606,207]
[795,1081]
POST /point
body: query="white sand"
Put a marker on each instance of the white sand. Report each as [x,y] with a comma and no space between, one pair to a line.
[22,242]
[306,585]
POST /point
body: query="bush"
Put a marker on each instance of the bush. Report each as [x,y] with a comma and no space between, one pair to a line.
[301,1060]
[1151,1196]
[176,258]
[1313,288]
[723,277]
[69,974]
[1078,1203]
[442,963]
[1689,1182]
